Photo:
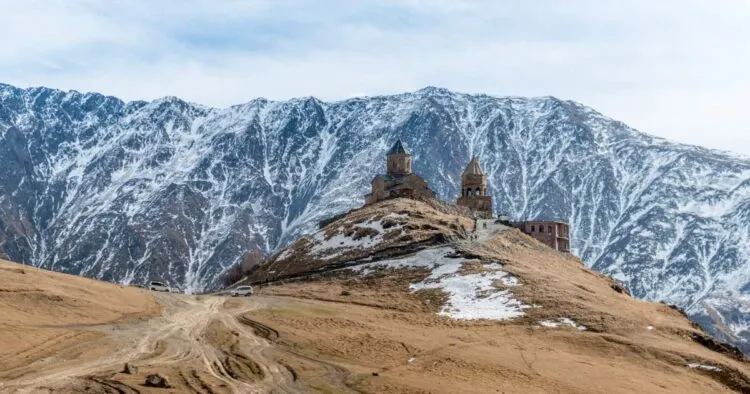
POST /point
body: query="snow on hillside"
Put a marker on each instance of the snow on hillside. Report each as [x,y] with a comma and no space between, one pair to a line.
[330,247]
[470,295]
[563,321]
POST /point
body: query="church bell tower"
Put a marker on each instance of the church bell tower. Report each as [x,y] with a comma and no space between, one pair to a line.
[399,160]
[474,190]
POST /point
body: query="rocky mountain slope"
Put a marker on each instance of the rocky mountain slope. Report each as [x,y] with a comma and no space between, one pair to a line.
[132,191]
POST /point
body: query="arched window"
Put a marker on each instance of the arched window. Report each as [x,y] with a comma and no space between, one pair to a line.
[549,229]
[533,228]
[479,192]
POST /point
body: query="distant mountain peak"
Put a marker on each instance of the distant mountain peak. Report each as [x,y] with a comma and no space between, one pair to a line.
[435,90]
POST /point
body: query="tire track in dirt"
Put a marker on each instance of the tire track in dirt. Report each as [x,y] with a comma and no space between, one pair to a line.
[197,343]
[334,373]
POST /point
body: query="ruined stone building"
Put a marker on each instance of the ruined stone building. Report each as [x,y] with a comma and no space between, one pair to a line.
[399,180]
[551,233]
[474,190]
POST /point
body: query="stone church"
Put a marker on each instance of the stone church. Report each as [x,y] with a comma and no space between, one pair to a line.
[399,180]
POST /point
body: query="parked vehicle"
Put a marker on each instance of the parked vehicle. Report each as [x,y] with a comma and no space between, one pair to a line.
[242,291]
[158,286]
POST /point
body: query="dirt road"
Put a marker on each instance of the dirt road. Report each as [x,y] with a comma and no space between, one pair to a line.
[199,344]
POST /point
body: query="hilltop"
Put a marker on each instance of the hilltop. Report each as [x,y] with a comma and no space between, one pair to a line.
[374,232]
[411,293]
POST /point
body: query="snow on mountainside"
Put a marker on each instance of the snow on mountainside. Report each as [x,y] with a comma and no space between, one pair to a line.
[169,189]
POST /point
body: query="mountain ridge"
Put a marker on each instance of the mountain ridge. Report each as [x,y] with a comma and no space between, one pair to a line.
[130,191]
[429,88]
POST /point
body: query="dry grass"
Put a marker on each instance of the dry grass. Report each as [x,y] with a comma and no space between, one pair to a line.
[380,329]
[41,311]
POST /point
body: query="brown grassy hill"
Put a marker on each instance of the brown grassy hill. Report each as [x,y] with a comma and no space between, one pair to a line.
[41,312]
[66,334]
[419,322]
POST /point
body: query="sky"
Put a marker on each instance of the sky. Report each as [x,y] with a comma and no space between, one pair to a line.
[678,69]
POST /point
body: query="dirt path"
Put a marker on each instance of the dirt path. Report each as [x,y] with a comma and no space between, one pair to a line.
[197,343]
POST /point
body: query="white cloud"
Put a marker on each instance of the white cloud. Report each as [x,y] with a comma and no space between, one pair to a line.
[672,68]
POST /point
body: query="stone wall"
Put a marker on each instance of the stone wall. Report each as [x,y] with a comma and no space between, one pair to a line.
[399,164]
[482,205]
[409,186]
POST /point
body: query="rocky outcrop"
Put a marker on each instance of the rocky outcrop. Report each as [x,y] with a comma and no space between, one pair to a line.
[156,380]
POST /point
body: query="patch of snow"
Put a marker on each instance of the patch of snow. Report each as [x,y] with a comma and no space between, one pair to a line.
[620,277]
[650,328]
[471,296]
[509,280]
[340,242]
[560,322]
[397,215]
[704,367]
[505,279]
[285,254]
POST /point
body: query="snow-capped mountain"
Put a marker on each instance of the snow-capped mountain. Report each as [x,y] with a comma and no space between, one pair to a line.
[167,189]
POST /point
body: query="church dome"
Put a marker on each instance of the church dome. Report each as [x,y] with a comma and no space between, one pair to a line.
[398,149]
[473,168]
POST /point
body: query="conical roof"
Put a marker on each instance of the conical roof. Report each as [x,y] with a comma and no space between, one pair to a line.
[473,168]
[398,149]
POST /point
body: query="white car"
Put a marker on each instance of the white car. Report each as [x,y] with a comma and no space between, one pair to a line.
[242,291]
[157,286]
